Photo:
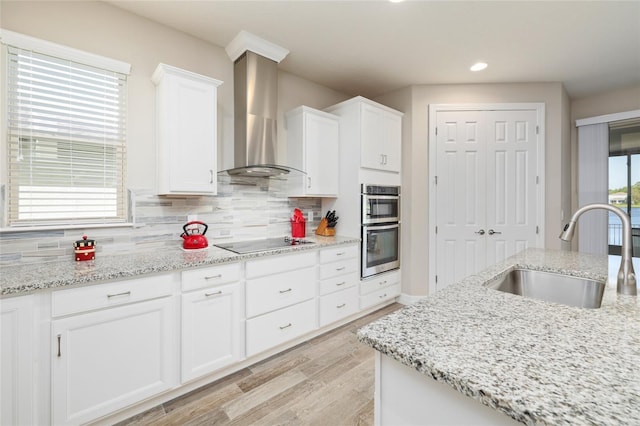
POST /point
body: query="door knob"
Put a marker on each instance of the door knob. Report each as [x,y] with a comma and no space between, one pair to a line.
[491,232]
[480,232]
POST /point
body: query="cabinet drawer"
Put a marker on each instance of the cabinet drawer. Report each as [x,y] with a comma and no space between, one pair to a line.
[378,282]
[379,296]
[269,330]
[336,306]
[338,253]
[340,282]
[276,264]
[75,300]
[277,291]
[338,268]
[206,277]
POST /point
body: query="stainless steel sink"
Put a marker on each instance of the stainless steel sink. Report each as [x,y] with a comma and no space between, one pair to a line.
[550,287]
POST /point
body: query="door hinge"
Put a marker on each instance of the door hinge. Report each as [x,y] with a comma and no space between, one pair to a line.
[537,129]
[436,229]
[436,180]
[537,180]
[537,229]
[436,131]
[436,279]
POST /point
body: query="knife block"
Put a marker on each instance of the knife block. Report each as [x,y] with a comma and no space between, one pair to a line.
[324,230]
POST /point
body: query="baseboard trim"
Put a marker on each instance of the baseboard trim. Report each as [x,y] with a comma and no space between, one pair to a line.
[408,299]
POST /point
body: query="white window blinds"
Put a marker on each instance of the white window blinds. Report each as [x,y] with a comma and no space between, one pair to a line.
[66,130]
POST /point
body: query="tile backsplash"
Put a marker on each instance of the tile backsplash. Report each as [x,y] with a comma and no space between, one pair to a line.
[245,208]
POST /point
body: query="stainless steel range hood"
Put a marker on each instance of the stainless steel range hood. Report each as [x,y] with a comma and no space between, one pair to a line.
[255,86]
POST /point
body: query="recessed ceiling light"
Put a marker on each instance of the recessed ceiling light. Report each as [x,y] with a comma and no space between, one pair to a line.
[396,1]
[478,66]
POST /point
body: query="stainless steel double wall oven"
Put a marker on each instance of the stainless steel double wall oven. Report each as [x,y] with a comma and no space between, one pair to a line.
[380,229]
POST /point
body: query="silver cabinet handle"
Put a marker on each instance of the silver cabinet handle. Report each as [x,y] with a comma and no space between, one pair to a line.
[285,326]
[480,232]
[125,293]
[59,353]
[213,294]
[211,176]
[341,305]
[382,282]
[342,283]
[383,296]
[309,182]
[212,277]
[381,158]
[285,291]
[491,232]
[342,268]
[342,253]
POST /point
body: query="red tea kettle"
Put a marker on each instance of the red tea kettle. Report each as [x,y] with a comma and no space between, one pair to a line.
[193,238]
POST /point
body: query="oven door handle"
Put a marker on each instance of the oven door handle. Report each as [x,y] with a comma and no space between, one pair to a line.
[381,227]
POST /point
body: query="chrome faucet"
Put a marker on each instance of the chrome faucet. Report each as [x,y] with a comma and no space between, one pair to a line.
[627,283]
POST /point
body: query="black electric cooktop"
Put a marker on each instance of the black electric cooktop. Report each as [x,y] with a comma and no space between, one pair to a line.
[253,246]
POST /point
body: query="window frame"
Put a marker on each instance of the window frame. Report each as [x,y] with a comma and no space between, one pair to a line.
[21,41]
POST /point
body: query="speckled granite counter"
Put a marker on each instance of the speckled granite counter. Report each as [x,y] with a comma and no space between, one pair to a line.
[21,279]
[537,362]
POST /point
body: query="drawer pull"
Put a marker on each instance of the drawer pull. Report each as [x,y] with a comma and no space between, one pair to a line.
[383,296]
[59,353]
[213,294]
[285,326]
[342,268]
[342,253]
[342,283]
[125,293]
[285,291]
[213,277]
[382,282]
[341,305]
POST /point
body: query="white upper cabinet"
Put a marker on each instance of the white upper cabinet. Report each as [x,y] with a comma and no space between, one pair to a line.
[312,146]
[377,128]
[186,131]
[380,145]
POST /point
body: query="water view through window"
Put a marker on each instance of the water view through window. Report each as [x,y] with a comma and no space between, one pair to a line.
[624,192]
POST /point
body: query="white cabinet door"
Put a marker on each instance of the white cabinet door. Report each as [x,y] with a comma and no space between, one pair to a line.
[106,360]
[16,361]
[312,146]
[211,330]
[186,131]
[381,139]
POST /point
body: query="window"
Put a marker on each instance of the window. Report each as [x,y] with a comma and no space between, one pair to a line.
[66,133]
[624,181]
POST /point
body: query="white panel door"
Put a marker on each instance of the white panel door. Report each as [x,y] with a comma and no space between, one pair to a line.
[460,208]
[511,173]
[486,192]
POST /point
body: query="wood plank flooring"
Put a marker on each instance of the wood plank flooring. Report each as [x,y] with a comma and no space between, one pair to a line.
[328,380]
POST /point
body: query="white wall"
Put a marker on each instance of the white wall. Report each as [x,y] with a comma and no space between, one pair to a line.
[414,102]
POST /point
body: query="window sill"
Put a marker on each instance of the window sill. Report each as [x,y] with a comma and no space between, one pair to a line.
[64,227]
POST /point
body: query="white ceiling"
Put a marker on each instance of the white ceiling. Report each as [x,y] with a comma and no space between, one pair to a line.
[372,47]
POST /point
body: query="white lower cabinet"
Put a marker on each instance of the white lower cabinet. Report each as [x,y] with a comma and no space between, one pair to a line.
[107,359]
[16,361]
[212,332]
[379,289]
[280,300]
[338,283]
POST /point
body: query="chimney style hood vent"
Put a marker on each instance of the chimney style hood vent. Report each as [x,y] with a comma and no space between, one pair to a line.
[255,87]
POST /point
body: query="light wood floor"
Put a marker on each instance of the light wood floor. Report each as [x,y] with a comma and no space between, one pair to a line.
[326,381]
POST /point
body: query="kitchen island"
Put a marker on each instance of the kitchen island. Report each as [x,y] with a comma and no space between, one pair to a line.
[532,361]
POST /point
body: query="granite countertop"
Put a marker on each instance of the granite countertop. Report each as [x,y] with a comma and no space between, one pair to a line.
[537,362]
[26,278]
